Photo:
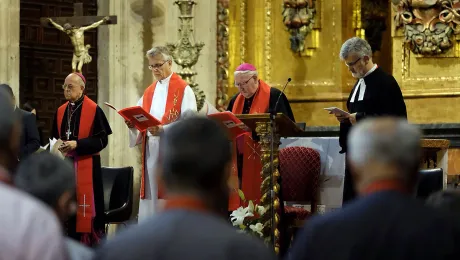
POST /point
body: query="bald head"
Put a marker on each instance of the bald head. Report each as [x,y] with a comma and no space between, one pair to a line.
[73,87]
[385,148]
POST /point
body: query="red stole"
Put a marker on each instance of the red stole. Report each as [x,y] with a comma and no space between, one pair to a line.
[176,90]
[251,179]
[84,165]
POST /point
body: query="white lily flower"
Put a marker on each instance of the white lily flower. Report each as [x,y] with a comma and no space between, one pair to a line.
[257,228]
[261,210]
[238,215]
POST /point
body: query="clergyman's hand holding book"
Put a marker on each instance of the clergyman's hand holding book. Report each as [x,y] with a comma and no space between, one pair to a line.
[140,118]
[231,122]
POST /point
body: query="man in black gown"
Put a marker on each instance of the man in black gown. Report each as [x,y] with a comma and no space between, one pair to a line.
[375,93]
[83,127]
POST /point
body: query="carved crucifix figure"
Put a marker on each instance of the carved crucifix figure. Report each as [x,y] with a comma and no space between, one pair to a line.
[74,27]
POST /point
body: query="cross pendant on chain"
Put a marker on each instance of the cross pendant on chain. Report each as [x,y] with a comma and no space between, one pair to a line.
[68,133]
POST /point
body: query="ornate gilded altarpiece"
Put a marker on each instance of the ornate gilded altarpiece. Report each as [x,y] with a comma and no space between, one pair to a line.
[426,58]
[256,31]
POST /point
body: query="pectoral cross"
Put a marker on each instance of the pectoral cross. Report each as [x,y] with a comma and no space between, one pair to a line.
[84,205]
[68,133]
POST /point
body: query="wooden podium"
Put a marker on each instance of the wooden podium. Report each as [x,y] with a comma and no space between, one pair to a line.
[284,127]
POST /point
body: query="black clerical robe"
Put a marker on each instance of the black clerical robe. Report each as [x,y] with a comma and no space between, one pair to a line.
[382,97]
[70,125]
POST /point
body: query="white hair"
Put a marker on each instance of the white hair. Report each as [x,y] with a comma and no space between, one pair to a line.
[355,45]
[251,73]
[81,82]
[389,141]
[159,50]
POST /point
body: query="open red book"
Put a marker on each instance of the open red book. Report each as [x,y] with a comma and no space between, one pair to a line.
[231,122]
[138,116]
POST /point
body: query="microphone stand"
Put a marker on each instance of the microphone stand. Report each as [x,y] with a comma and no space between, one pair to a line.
[272,166]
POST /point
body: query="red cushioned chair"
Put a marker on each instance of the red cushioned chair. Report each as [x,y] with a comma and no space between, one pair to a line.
[300,168]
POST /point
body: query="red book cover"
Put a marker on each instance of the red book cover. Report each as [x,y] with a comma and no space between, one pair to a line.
[138,116]
[231,122]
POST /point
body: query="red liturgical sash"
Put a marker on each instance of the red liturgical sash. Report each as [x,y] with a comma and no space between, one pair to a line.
[251,179]
[84,166]
[176,90]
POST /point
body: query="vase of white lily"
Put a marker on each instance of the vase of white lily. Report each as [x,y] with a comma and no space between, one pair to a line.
[247,219]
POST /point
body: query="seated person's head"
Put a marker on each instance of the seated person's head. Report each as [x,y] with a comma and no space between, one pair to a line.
[49,179]
[384,149]
[195,159]
[446,200]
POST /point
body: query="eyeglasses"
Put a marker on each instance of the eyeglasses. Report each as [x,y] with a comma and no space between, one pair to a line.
[353,63]
[243,83]
[157,66]
[65,86]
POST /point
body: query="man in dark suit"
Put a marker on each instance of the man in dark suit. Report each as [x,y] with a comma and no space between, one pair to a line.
[30,139]
[387,221]
[375,94]
[195,160]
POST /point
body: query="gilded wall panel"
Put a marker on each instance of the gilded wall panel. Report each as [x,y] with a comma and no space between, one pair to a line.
[430,83]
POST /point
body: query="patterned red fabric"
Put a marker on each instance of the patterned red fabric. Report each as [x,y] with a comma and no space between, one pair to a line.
[300,168]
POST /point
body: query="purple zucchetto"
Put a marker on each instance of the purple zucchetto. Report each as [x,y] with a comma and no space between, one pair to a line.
[246,67]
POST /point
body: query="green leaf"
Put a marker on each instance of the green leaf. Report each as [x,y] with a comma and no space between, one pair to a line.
[241,194]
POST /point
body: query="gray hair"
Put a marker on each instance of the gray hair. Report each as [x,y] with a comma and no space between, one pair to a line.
[355,45]
[7,117]
[386,140]
[160,50]
[251,73]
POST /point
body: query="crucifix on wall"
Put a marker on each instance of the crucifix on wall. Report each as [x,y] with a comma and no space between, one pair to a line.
[74,27]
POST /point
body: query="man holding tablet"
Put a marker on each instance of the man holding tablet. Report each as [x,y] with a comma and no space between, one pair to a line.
[375,93]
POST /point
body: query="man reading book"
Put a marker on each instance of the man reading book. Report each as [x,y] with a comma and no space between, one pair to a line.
[82,126]
[254,97]
[166,98]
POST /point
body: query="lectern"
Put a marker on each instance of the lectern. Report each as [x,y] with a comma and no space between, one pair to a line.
[284,127]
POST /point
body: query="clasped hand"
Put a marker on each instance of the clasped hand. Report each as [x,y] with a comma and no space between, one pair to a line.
[343,118]
[68,146]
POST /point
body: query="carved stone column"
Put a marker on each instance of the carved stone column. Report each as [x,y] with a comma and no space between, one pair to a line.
[123,76]
[9,45]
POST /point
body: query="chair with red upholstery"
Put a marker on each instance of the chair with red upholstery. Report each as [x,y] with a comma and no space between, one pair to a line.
[300,169]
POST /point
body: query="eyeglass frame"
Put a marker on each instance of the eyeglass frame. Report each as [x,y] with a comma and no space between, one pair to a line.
[66,86]
[152,67]
[243,83]
[351,64]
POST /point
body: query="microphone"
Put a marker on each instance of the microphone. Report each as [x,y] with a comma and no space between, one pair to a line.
[279,96]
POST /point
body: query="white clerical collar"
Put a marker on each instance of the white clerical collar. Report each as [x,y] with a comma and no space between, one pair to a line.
[371,70]
[166,80]
[361,86]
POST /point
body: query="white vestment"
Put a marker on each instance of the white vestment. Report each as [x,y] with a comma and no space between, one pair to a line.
[148,205]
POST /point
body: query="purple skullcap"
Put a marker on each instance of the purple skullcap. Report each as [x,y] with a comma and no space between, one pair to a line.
[81,76]
[246,67]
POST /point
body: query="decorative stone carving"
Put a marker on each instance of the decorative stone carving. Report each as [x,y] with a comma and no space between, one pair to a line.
[186,52]
[222,54]
[429,25]
[298,17]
